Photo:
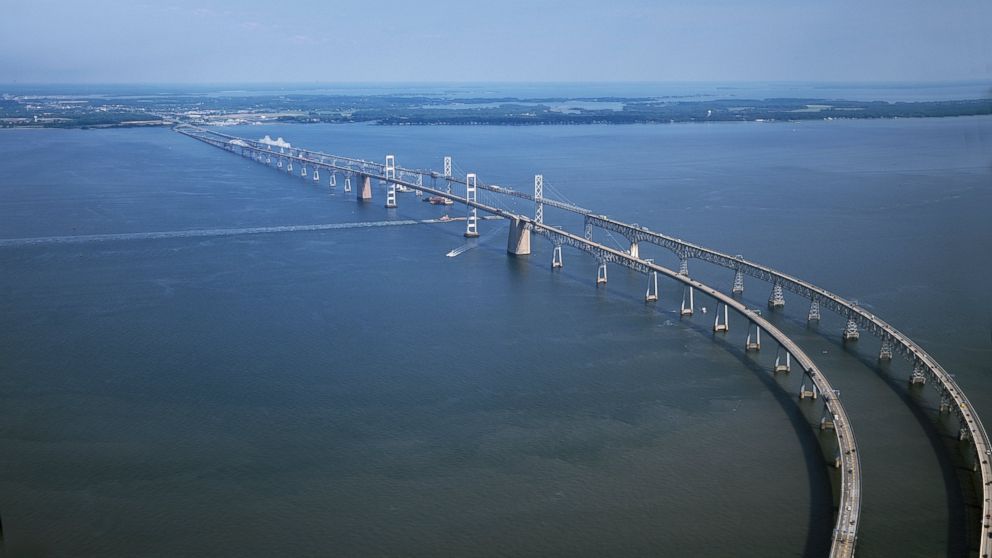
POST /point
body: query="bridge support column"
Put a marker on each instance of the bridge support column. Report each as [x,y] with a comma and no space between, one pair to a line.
[783,364]
[885,353]
[447,173]
[684,264]
[316,174]
[601,273]
[717,324]
[391,196]
[945,403]
[333,183]
[963,434]
[538,198]
[652,293]
[556,259]
[588,230]
[303,171]
[347,184]
[808,391]
[471,193]
[851,330]
[364,188]
[518,239]
[634,251]
[738,282]
[391,186]
[687,296]
[827,419]
[814,311]
[279,163]
[918,376]
[753,343]
[777,298]
[289,167]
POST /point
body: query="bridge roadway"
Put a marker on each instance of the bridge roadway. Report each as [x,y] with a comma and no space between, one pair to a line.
[844,536]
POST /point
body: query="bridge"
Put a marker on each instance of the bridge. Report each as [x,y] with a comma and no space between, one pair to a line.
[833,416]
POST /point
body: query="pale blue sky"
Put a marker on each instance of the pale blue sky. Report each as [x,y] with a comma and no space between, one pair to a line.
[100,41]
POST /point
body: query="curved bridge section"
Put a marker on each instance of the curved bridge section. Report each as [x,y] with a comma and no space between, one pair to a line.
[834,415]
[925,366]
[845,530]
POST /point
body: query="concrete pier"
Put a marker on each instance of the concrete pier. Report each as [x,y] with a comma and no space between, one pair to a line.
[364,187]
[518,238]
[688,303]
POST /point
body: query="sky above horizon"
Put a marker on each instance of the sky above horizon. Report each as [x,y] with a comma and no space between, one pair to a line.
[244,41]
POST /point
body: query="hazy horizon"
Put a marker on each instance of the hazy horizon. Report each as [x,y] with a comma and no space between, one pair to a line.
[250,41]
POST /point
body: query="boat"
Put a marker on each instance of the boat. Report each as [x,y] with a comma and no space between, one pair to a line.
[439,200]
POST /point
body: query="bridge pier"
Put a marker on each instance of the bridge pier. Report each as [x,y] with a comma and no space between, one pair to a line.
[945,403]
[780,364]
[851,330]
[634,251]
[601,273]
[391,196]
[684,264]
[538,198]
[963,434]
[814,311]
[364,191]
[316,174]
[738,282]
[725,325]
[471,195]
[776,299]
[918,376]
[303,171]
[391,186]
[885,352]
[810,391]
[687,296]
[333,182]
[753,343]
[518,238]
[556,259]
[827,419]
[289,166]
[347,184]
[652,293]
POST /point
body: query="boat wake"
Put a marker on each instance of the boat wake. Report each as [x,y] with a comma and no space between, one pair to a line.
[201,233]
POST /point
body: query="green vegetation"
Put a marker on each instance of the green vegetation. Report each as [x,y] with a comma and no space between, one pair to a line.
[88,111]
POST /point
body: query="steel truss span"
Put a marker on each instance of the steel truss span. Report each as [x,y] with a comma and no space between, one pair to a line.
[834,415]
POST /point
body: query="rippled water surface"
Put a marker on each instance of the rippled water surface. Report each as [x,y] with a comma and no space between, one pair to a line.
[318,391]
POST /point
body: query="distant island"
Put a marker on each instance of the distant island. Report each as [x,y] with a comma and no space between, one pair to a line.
[101,111]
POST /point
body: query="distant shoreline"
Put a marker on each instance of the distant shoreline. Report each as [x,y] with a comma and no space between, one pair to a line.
[388,110]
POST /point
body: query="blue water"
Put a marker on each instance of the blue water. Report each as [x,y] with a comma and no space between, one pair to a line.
[355,392]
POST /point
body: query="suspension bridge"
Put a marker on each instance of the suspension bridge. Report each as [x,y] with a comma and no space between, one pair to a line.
[357,175]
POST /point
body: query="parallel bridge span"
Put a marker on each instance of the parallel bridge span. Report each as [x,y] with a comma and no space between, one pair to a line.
[952,396]
[847,460]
